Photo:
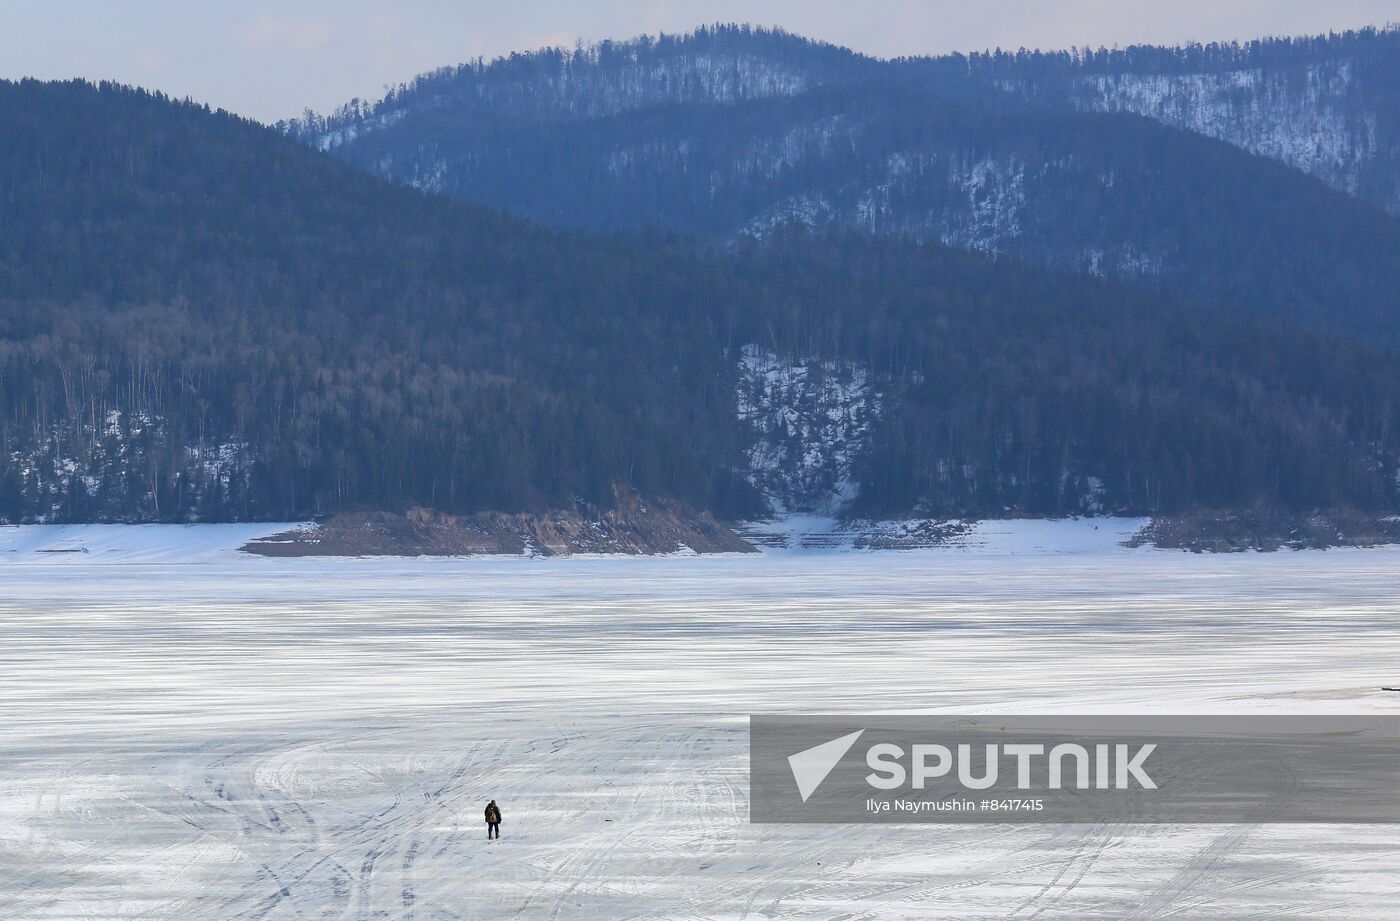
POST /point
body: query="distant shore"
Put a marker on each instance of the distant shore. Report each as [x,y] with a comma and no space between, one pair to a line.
[663,531]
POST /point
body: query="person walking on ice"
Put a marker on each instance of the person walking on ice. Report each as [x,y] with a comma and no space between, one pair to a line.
[493,820]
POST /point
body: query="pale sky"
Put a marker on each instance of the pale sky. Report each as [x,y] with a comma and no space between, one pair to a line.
[269,59]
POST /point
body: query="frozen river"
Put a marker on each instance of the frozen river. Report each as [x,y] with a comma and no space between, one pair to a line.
[242,738]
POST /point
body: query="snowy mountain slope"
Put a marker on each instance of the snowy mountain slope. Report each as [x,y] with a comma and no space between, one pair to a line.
[1298,119]
[733,132]
[1328,106]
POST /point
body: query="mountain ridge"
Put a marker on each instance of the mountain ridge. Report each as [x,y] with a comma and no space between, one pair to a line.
[1037,75]
[935,148]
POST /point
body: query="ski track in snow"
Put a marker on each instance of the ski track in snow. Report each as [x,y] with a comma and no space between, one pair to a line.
[244,738]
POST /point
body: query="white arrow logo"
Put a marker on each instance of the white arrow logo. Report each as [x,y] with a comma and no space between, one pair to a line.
[810,766]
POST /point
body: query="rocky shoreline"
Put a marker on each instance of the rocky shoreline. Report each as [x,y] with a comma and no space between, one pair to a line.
[635,526]
[632,526]
[1234,532]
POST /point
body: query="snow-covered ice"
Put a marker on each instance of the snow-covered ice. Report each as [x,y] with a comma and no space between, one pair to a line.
[242,737]
[129,543]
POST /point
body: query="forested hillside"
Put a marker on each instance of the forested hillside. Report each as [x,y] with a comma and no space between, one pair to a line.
[1006,388]
[201,318]
[733,131]
[1327,105]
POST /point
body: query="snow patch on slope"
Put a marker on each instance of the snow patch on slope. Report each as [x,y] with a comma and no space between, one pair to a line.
[429,175]
[981,206]
[798,145]
[108,462]
[808,210]
[1122,260]
[994,194]
[810,419]
[334,137]
[1299,120]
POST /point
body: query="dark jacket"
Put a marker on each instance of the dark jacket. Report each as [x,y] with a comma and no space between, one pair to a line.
[493,813]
